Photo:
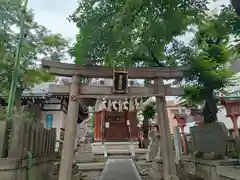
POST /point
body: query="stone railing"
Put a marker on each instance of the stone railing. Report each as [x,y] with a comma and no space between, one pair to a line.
[227,169]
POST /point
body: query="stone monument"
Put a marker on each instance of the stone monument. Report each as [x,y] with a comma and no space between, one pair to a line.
[210,139]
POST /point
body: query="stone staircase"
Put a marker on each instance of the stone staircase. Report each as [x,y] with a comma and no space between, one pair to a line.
[117,150]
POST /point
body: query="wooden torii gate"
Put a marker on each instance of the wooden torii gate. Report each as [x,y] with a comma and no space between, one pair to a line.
[79,92]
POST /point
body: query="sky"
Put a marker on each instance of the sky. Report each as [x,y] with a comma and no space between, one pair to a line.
[53,15]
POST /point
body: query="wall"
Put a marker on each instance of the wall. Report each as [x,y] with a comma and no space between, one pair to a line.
[59,119]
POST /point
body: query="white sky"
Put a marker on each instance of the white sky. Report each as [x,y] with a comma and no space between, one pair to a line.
[53,14]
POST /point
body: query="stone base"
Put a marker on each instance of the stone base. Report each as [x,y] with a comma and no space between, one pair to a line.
[172,177]
[76,175]
[152,151]
[156,172]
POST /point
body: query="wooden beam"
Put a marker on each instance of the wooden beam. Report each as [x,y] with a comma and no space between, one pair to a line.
[86,91]
[68,70]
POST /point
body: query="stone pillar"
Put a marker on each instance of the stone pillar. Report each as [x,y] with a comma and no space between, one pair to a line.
[67,157]
[183,137]
[166,148]
[103,127]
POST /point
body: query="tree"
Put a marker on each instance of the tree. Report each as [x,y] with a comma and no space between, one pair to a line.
[38,43]
[210,53]
[132,33]
[144,33]
[192,97]
[148,113]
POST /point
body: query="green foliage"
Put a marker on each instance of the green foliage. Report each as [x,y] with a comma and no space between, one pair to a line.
[149,111]
[131,33]
[192,97]
[25,115]
[38,43]
[144,33]
[211,52]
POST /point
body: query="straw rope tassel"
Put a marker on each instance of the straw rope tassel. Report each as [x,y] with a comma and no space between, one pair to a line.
[131,105]
[141,104]
[109,106]
[120,109]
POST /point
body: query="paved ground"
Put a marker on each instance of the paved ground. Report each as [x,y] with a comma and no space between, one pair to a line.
[119,169]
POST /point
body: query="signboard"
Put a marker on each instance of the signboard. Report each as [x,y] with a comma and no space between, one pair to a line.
[120,81]
[49,121]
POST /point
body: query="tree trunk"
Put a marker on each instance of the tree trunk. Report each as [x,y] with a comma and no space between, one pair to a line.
[145,133]
[210,107]
[17,125]
[18,102]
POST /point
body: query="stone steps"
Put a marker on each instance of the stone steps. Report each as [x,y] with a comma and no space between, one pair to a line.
[117,169]
[120,154]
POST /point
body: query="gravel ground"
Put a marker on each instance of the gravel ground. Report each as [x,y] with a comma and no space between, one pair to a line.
[91,175]
[183,175]
[94,175]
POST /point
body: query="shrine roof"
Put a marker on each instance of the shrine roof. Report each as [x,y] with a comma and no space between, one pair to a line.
[231,98]
[38,91]
[227,100]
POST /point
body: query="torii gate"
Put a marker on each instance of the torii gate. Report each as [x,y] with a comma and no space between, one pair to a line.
[78,92]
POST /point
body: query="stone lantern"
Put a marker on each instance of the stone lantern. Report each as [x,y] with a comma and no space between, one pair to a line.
[181,121]
[232,106]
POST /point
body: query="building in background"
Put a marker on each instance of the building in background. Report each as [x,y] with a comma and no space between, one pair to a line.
[173,108]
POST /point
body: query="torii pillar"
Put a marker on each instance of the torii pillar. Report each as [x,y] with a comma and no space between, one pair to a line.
[67,156]
[181,121]
[232,105]
[166,146]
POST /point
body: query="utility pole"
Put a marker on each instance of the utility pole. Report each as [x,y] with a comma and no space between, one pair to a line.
[12,92]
